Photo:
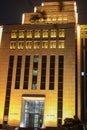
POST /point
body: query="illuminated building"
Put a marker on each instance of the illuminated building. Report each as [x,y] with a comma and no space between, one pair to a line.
[38,80]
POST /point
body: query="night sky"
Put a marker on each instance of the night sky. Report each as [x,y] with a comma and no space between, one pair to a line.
[11,10]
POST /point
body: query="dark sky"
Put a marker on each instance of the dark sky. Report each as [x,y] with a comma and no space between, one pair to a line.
[11,10]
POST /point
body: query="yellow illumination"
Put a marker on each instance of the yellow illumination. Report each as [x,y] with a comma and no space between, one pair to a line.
[76,14]
[1,30]
[1,115]
[14,114]
[23,18]
[78,34]
[79,62]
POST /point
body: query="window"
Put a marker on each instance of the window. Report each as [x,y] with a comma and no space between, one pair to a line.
[21,34]
[21,45]
[61,44]
[60,19]
[54,19]
[8,87]
[53,33]
[65,19]
[45,44]
[18,75]
[52,44]
[49,19]
[35,72]
[14,34]
[37,34]
[28,44]
[52,72]
[43,72]
[36,45]
[12,45]
[29,34]
[61,33]
[45,34]
[26,72]
[60,86]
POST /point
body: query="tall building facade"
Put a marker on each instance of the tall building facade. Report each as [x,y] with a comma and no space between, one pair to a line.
[38,81]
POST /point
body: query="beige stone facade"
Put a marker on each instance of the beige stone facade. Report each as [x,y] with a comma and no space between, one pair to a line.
[40,39]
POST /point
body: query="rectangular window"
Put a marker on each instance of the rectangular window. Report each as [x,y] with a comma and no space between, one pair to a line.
[61,44]
[26,72]
[28,44]
[52,72]
[36,45]
[61,33]
[21,34]
[14,34]
[8,87]
[43,72]
[29,34]
[18,72]
[45,34]
[12,45]
[20,44]
[45,44]
[37,34]
[52,44]
[53,33]
[60,87]
[35,72]
[60,19]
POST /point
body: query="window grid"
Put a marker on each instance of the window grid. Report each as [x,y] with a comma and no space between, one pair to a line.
[34,73]
[8,88]
[18,72]
[43,72]
[52,72]
[26,72]
[60,87]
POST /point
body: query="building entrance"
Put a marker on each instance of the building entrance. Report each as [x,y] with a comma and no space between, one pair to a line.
[33,113]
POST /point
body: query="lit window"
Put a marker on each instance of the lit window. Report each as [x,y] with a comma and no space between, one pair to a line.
[37,34]
[45,34]
[21,34]
[60,18]
[65,19]
[14,34]
[53,44]
[53,33]
[61,44]
[29,34]
[28,44]
[12,45]
[35,72]
[36,45]
[61,33]
[45,44]
[54,19]
[20,45]
[48,19]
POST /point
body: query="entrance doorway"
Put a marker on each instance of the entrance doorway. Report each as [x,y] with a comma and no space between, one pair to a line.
[33,113]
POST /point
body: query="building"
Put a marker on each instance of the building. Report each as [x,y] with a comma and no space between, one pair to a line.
[38,67]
